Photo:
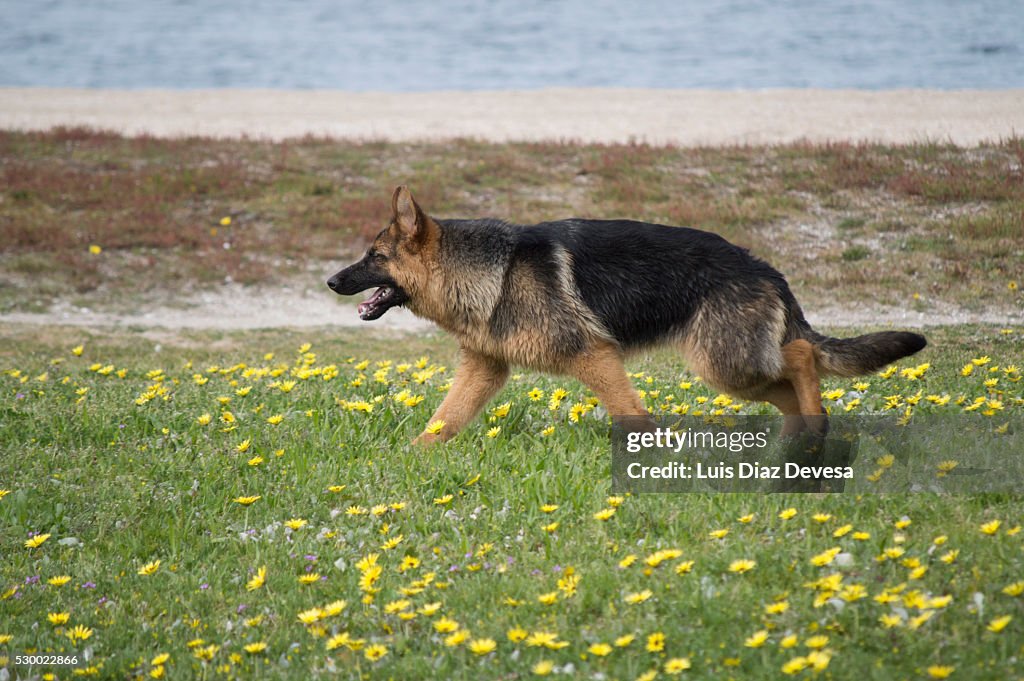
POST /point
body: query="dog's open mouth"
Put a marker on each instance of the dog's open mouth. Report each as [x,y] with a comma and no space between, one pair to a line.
[377,304]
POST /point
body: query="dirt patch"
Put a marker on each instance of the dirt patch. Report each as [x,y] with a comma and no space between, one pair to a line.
[235,307]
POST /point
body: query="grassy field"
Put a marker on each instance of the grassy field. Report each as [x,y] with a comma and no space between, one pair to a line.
[248,506]
[216,504]
[915,225]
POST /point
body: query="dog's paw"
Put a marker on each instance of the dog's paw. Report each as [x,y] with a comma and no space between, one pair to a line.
[817,425]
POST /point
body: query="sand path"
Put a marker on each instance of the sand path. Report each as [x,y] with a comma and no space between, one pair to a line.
[684,117]
[235,307]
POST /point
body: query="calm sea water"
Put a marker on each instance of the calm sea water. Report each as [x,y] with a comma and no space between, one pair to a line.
[456,44]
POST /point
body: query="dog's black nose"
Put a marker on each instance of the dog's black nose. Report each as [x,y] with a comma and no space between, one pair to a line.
[332,284]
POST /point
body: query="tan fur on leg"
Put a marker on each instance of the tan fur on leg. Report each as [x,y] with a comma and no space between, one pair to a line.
[783,396]
[477,379]
[601,369]
[801,371]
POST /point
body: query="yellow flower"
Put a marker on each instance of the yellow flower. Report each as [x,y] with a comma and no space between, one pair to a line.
[541,638]
[160,659]
[890,621]
[446,626]
[742,565]
[677,665]
[204,419]
[253,648]
[482,646]
[338,640]
[311,578]
[999,623]
[655,642]
[991,528]
[795,666]
[493,432]
[149,568]
[258,579]
[311,616]
[623,641]
[599,649]
[434,427]
[638,597]
[543,668]
[1015,589]
[58,618]
[225,221]
[79,633]
[255,461]
[36,541]
[940,671]
[397,606]
[825,557]
[58,581]
[604,514]
[548,598]
[822,517]
[375,652]
[275,419]
[516,634]
[757,639]
[245,501]
[789,641]
[816,642]
[684,567]
[718,534]
[296,523]
[94,249]
[446,499]
[776,608]
[456,639]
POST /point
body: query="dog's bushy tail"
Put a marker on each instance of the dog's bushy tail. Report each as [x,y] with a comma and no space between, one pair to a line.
[863,354]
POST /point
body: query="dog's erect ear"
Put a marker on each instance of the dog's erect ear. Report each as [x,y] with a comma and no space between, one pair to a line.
[407,214]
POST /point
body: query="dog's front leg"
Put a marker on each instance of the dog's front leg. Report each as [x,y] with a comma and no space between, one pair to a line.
[477,379]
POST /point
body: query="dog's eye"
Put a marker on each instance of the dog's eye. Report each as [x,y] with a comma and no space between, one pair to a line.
[376,255]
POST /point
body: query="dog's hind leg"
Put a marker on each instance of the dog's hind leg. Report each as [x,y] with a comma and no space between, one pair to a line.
[602,370]
[800,369]
[478,378]
[783,396]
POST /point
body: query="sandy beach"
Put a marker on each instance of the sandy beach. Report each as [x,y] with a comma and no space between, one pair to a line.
[682,117]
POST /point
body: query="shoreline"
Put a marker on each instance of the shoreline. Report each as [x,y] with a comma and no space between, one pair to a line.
[679,117]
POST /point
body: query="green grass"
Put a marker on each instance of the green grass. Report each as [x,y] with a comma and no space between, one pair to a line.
[119,484]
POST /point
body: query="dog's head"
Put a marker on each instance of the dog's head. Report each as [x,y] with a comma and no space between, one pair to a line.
[397,262]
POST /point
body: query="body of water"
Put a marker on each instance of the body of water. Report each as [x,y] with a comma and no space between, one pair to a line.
[460,45]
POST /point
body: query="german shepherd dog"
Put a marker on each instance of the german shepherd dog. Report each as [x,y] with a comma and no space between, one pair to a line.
[576,296]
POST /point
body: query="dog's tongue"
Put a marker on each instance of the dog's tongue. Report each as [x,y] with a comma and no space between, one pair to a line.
[372,300]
